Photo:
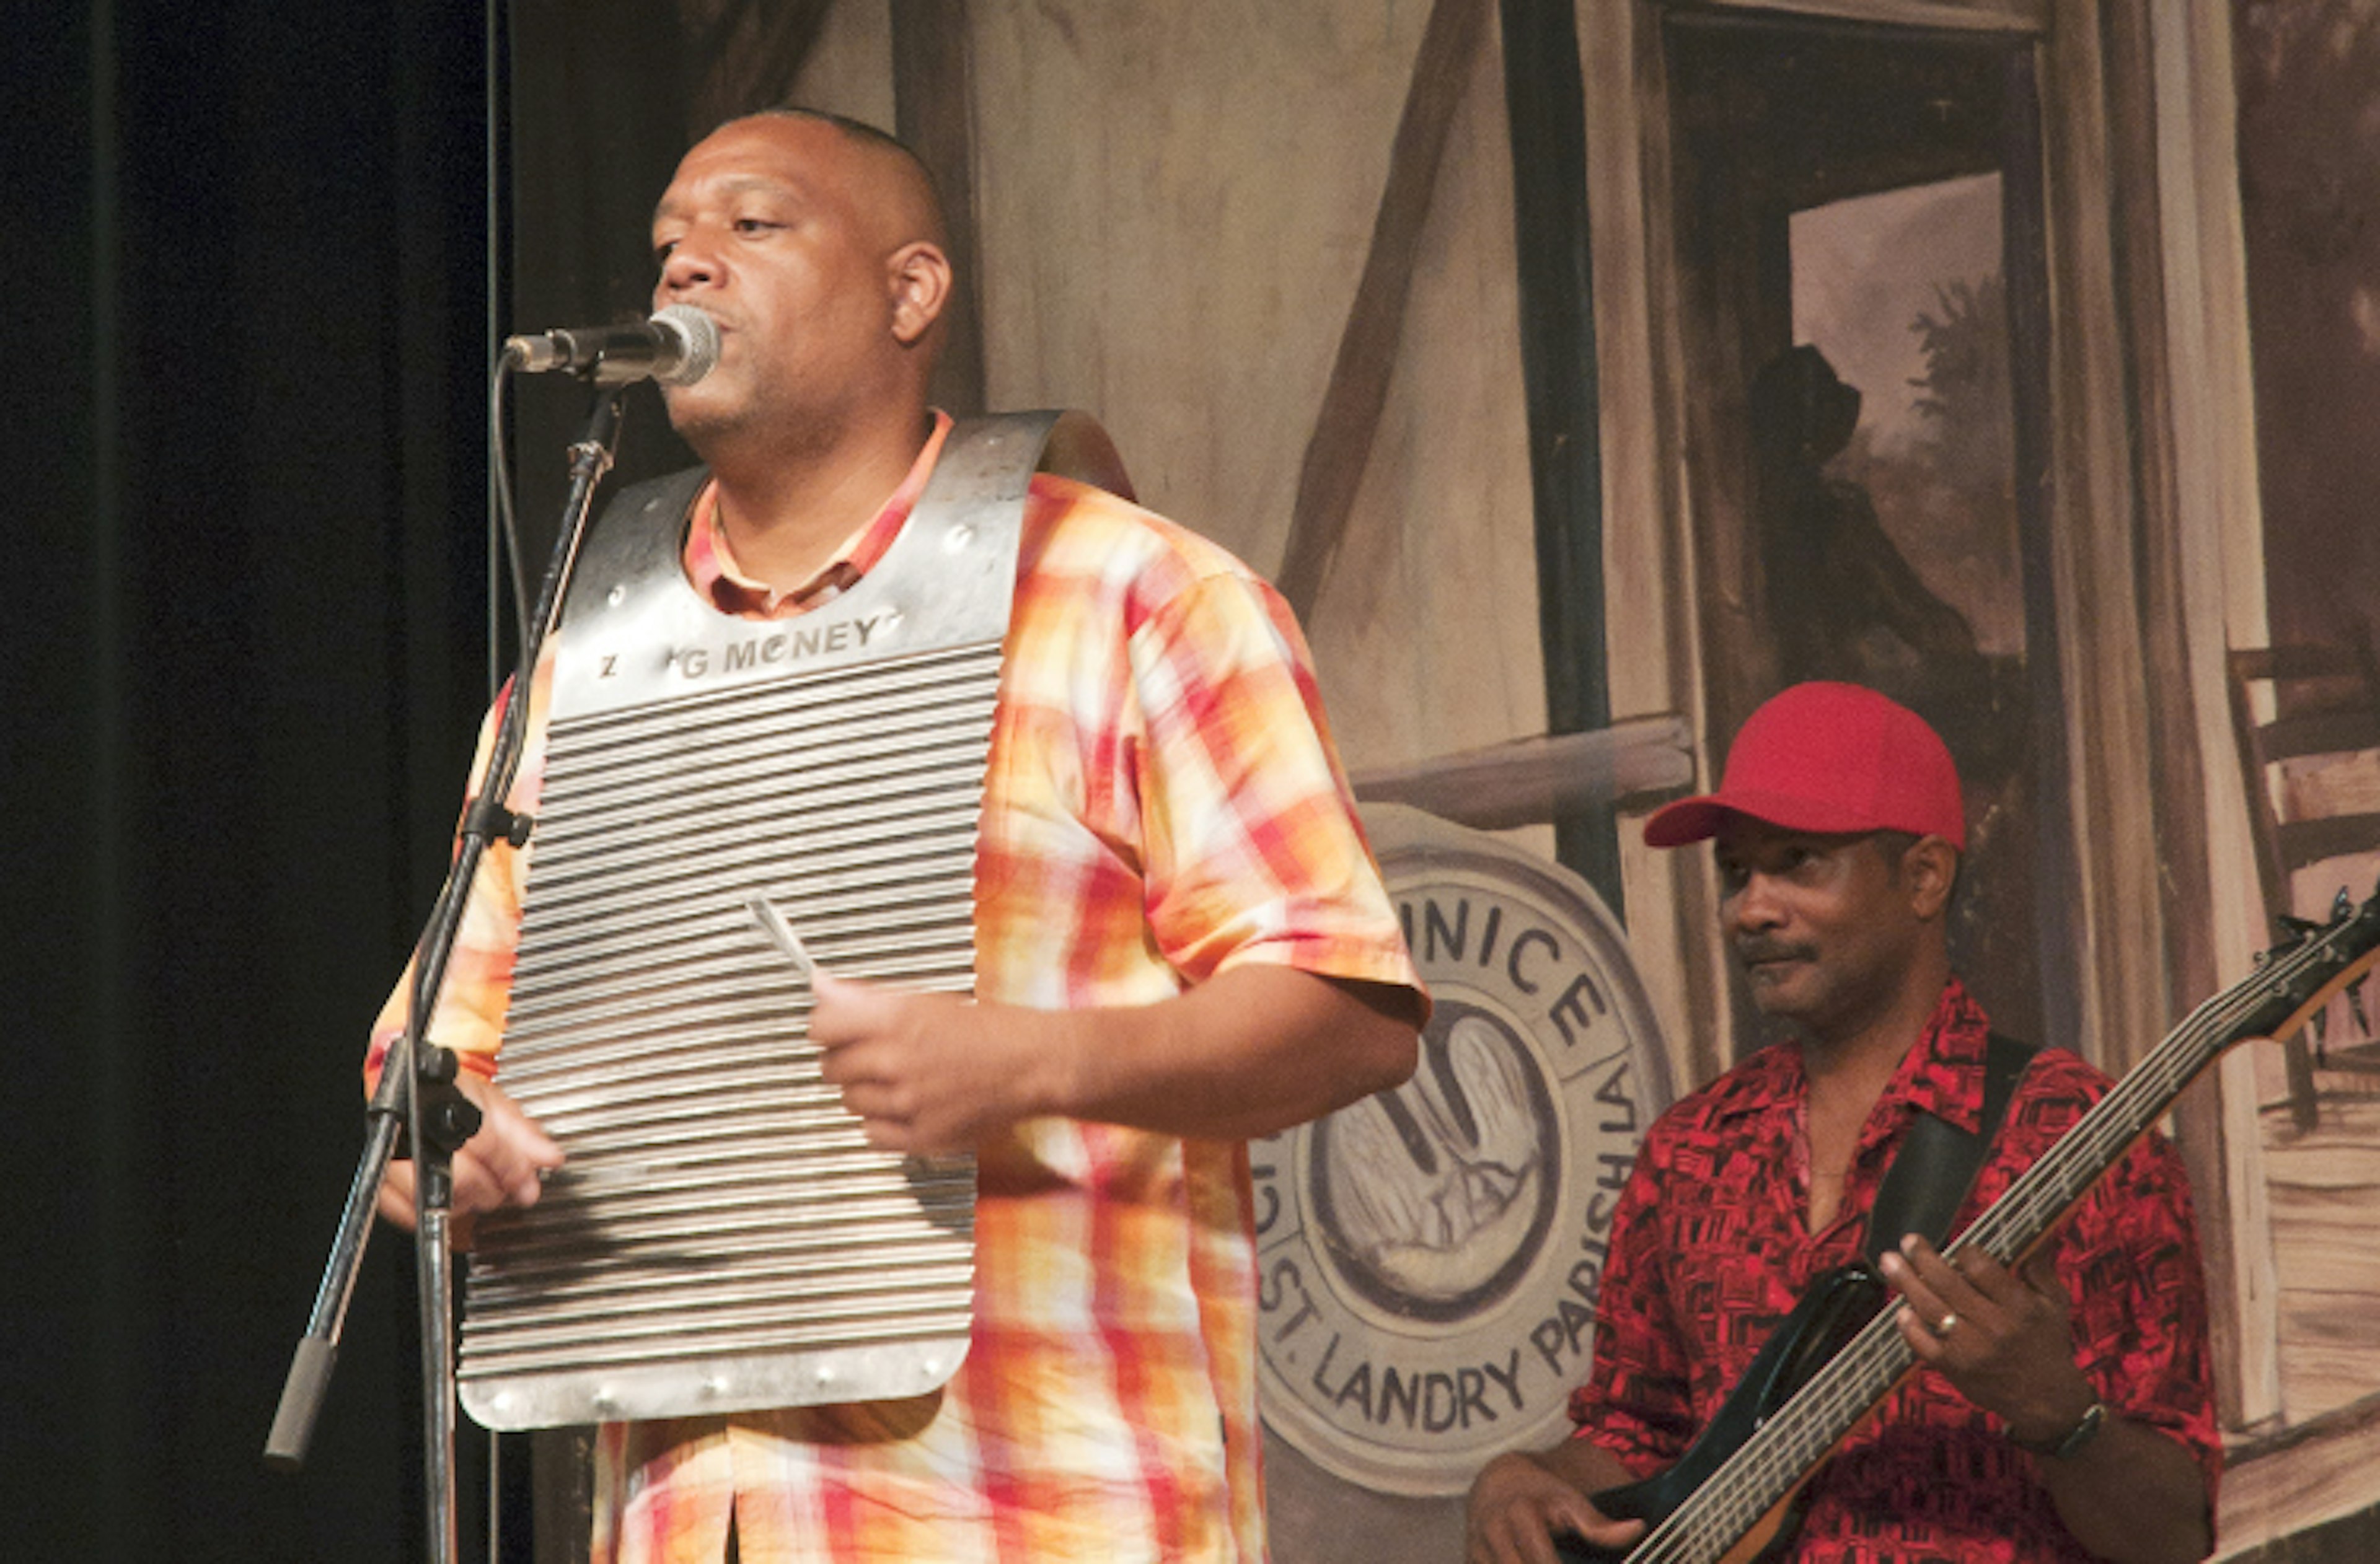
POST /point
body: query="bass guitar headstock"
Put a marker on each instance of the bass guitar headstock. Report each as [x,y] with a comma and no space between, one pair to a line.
[2312,962]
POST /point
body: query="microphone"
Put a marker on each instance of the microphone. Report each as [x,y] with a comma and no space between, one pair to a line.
[677,347]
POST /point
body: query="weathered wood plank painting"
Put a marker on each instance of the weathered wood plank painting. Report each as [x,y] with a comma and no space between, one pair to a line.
[2017,357]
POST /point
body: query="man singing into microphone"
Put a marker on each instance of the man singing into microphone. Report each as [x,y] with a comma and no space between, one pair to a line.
[1180,942]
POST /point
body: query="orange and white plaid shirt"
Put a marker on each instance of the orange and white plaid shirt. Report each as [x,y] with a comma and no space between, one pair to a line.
[1164,802]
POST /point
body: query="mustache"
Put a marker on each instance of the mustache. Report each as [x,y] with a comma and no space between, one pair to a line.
[1756,949]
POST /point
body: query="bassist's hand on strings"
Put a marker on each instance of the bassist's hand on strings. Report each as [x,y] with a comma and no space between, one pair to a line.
[2002,1337]
[1522,1500]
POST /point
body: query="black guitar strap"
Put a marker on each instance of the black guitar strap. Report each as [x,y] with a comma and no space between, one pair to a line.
[1938,1162]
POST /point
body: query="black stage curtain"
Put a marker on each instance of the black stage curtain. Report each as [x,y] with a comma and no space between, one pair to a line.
[242,666]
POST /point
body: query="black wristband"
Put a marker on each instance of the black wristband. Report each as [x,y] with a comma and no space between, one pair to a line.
[2070,1443]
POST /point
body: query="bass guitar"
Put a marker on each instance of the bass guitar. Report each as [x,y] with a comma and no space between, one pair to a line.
[1729,1499]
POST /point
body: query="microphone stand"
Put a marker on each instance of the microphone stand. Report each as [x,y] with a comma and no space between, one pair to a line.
[417,1084]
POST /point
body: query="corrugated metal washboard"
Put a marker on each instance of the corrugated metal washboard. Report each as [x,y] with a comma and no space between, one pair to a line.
[723,1237]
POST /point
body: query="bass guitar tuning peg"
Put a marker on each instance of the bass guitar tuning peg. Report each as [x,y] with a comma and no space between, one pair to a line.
[2342,906]
[2296,930]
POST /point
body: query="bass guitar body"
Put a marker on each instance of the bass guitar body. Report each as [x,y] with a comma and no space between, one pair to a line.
[1833,1311]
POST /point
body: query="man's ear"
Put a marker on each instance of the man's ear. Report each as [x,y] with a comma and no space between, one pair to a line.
[1929,868]
[919,276]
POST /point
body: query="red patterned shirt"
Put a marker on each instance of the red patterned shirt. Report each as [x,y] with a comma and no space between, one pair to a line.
[1710,1249]
[1162,803]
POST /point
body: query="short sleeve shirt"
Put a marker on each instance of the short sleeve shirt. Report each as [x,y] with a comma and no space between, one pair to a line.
[1711,1251]
[1163,803]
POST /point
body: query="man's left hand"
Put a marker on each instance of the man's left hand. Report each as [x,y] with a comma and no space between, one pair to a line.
[928,1074]
[2004,1340]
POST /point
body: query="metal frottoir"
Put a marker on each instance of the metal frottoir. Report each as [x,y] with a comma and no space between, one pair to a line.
[723,1237]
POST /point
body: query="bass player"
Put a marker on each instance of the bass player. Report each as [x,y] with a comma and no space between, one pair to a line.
[2062,1411]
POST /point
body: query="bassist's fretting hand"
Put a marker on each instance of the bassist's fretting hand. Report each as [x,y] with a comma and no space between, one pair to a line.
[2004,1340]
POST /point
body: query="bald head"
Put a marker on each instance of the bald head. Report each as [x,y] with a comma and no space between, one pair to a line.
[817,243]
[895,176]
[885,182]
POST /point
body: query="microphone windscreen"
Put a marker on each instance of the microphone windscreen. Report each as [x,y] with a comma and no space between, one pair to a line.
[698,335]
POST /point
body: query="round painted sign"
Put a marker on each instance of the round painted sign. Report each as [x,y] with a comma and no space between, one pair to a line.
[1428,1258]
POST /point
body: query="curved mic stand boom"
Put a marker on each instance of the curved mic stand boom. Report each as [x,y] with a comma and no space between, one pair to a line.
[416,1086]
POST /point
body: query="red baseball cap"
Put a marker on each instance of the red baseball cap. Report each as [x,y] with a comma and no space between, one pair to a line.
[1829,758]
